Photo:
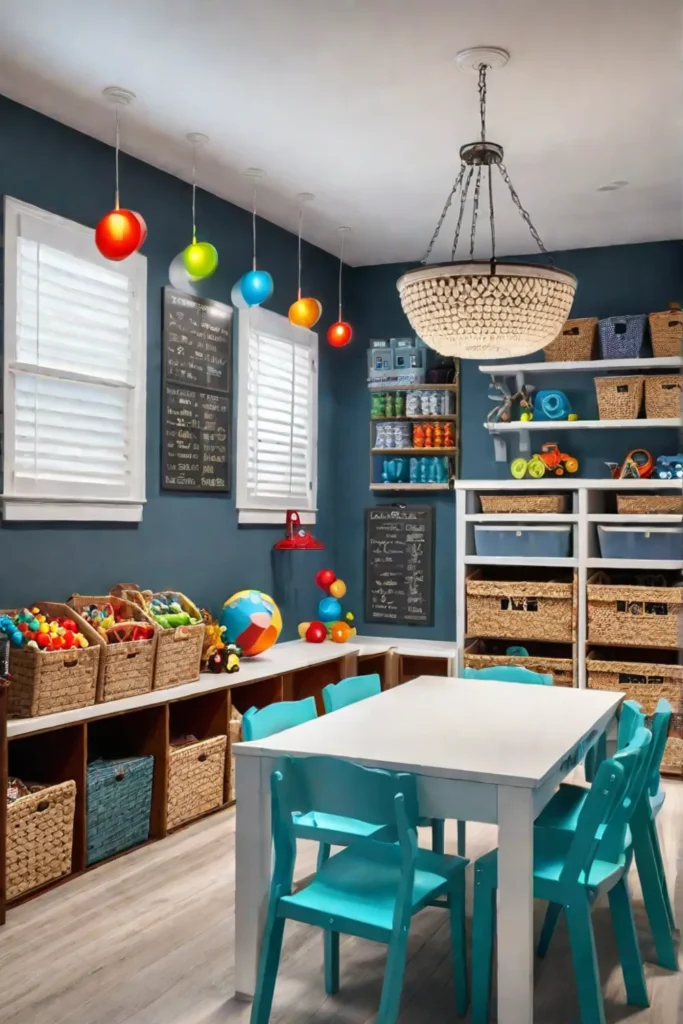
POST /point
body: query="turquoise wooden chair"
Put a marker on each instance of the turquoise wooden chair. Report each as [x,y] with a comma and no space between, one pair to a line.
[563,811]
[509,674]
[350,691]
[283,714]
[571,869]
[372,889]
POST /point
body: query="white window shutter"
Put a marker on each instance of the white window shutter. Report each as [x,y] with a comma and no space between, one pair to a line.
[75,367]
[277,414]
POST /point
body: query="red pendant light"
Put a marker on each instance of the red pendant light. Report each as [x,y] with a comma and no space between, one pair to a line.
[121,232]
[341,332]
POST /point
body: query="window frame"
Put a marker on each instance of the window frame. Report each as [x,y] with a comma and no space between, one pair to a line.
[268,322]
[21,220]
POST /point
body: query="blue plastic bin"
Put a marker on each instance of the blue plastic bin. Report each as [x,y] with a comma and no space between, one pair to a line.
[529,541]
[621,337]
[641,542]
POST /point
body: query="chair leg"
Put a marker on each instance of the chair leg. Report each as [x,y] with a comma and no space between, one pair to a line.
[594,758]
[323,854]
[269,962]
[552,916]
[438,835]
[393,978]
[653,894]
[483,930]
[331,943]
[462,826]
[627,943]
[585,960]
[459,944]
[657,851]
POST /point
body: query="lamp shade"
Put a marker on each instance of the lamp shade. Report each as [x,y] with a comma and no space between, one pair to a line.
[480,310]
[120,233]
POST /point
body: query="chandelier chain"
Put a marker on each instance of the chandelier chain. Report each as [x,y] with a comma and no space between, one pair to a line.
[483,68]
[492,219]
[456,186]
[518,203]
[463,200]
[475,211]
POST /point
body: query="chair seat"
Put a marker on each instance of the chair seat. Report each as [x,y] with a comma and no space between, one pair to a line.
[550,852]
[563,810]
[361,885]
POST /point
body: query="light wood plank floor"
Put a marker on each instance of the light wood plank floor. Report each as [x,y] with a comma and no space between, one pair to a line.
[149,939]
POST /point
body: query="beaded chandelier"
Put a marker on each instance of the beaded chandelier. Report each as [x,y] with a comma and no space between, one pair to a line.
[485,309]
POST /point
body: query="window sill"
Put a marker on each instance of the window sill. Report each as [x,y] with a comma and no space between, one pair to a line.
[271,517]
[48,510]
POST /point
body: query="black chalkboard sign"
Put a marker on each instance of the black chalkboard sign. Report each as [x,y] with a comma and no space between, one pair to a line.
[399,564]
[196,394]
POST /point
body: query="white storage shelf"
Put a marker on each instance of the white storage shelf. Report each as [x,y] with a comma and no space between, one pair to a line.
[589,503]
[590,366]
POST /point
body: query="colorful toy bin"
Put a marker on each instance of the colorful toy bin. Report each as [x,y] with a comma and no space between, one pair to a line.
[252,620]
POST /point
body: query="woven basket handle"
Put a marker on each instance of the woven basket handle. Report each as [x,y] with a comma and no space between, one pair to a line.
[202,757]
[70,662]
[42,806]
[181,633]
[119,777]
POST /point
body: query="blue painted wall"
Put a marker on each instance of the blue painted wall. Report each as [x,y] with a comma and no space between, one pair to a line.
[188,542]
[612,281]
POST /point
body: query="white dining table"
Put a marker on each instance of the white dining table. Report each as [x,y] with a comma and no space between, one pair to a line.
[481,750]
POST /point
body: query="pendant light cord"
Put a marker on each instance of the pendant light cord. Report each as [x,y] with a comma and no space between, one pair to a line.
[118,142]
[301,219]
[341,265]
[253,225]
[194,193]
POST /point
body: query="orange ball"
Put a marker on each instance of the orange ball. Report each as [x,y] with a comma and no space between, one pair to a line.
[305,312]
[337,589]
[340,632]
[119,234]
[339,334]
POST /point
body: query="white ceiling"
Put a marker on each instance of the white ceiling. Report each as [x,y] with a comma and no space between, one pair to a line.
[360,102]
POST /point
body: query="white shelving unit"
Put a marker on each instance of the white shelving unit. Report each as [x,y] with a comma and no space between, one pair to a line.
[587,501]
[520,371]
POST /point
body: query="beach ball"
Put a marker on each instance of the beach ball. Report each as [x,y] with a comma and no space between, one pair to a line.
[252,620]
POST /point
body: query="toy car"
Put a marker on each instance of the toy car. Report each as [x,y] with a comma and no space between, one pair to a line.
[549,460]
[669,467]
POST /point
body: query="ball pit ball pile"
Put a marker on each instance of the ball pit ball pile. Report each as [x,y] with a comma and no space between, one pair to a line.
[332,623]
[114,625]
[31,628]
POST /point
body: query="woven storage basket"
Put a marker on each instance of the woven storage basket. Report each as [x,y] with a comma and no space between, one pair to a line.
[643,681]
[666,331]
[179,651]
[619,398]
[119,801]
[40,833]
[196,776]
[575,343]
[519,610]
[672,761]
[533,503]
[235,737]
[561,669]
[126,669]
[663,396]
[650,504]
[621,337]
[628,613]
[44,682]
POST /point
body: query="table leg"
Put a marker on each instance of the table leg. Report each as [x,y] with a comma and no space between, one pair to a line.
[515,906]
[252,867]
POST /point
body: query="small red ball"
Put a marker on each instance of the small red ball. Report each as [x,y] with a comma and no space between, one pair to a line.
[324,579]
[316,633]
[339,334]
[119,234]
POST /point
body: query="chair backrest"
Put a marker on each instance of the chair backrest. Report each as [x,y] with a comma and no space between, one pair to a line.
[351,690]
[284,714]
[631,718]
[660,728]
[330,785]
[509,674]
[608,808]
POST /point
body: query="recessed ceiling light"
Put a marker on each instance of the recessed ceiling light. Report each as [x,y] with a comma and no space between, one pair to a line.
[612,186]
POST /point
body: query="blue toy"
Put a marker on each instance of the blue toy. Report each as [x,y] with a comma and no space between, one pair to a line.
[669,467]
[552,405]
[12,632]
[329,609]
